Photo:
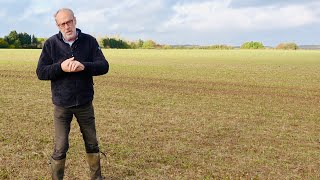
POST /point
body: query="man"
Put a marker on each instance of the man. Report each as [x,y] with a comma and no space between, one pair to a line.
[69,59]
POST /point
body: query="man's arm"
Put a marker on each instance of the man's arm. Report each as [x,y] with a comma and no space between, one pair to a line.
[99,64]
[46,69]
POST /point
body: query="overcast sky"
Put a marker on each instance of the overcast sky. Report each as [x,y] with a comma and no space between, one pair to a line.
[201,22]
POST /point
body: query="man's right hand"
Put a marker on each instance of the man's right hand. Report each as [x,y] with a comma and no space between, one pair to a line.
[65,64]
[71,65]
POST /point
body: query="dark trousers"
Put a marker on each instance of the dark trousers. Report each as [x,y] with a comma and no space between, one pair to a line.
[62,120]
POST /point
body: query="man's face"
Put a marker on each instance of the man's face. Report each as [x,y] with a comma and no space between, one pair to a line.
[67,25]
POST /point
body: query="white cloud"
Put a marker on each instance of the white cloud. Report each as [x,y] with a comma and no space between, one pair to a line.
[220,16]
[2,13]
[125,16]
[92,16]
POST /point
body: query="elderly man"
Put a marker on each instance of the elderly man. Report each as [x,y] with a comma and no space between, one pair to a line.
[70,59]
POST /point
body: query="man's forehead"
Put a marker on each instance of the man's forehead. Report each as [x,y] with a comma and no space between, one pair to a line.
[64,14]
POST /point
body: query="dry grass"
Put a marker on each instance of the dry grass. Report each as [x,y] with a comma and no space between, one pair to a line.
[174,114]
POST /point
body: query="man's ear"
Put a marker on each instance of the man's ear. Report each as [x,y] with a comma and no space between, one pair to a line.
[56,23]
[75,21]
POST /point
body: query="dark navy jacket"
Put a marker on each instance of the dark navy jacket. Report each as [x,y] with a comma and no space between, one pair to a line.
[71,89]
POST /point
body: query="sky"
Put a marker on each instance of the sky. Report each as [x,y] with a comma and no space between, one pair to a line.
[179,22]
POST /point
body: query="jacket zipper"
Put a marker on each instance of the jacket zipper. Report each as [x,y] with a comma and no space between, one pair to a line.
[75,83]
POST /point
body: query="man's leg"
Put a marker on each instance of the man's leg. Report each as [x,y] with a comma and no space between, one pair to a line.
[62,120]
[86,119]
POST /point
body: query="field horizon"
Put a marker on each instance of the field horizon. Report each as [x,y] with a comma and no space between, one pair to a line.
[174,114]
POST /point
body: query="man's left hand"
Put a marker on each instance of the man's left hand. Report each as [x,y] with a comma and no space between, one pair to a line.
[76,66]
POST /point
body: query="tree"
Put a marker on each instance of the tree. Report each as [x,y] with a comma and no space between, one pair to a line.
[105,43]
[12,37]
[252,45]
[115,43]
[25,40]
[149,44]
[16,44]
[218,46]
[34,41]
[41,42]
[140,43]
[133,45]
[99,40]
[3,43]
[18,40]
[288,46]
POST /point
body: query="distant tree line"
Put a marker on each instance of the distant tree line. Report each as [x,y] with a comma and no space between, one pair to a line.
[24,40]
[259,45]
[21,40]
[288,46]
[252,45]
[117,43]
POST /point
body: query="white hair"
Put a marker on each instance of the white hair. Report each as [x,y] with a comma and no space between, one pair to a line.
[63,9]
